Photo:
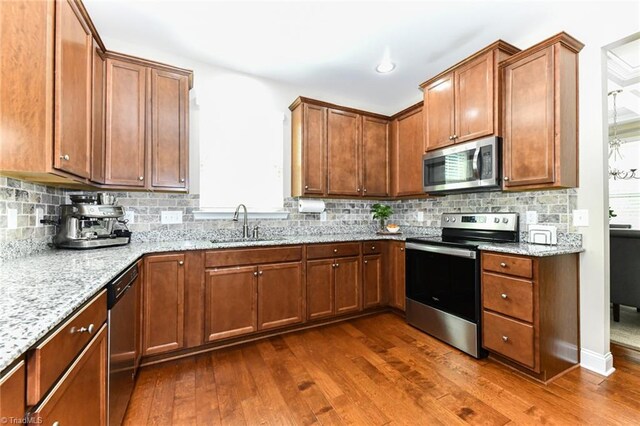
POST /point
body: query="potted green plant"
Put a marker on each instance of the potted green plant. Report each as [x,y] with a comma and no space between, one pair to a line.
[381,212]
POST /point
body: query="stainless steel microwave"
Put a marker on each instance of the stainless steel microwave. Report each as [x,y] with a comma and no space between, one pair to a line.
[466,167]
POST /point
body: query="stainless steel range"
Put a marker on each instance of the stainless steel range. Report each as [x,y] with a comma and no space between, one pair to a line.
[443,276]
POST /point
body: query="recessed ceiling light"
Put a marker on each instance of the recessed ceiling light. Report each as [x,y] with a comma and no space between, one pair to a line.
[385,66]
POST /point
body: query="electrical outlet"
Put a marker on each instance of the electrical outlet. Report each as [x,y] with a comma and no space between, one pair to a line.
[532,217]
[12,218]
[323,216]
[130,217]
[168,217]
[39,217]
[581,218]
[420,216]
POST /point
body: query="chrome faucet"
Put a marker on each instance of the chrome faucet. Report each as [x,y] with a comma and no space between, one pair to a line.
[245,225]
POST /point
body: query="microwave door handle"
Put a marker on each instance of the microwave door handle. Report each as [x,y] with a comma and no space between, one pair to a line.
[476,168]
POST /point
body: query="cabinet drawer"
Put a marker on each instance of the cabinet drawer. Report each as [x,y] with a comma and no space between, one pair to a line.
[372,247]
[509,296]
[50,358]
[504,264]
[508,337]
[236,257]
[321,251]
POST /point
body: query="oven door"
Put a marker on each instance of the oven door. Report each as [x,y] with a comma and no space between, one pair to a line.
[467,166]
[445,278]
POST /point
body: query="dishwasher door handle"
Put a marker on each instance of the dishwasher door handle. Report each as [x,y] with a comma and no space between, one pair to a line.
[452,251]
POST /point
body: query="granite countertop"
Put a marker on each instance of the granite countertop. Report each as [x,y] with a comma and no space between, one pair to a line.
[38,292]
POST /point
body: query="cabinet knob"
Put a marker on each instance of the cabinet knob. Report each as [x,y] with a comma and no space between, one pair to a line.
[333,265]
[455,136]
[337,265]
[81,330]
[357,189]
[140,177]
[366,261]
[306,187]
[182,180]
[401,248]
[335,250]
[503,265]
[504,295]
[255,274]
[365,190]
[506,178]
[505,338]
[450,138]
[181,262]
[260,273]
[65,157]
[55,424]
[373,247]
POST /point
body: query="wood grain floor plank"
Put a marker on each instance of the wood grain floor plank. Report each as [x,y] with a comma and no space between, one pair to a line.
[375,370]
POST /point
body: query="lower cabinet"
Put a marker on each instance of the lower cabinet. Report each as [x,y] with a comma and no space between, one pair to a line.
[348,285]
[12,394]
[372,279]
[396,274]
[80,396]
[333,287]
[245,299]
[163,303]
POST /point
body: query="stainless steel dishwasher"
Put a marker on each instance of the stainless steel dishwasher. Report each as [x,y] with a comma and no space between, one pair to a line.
[122,295]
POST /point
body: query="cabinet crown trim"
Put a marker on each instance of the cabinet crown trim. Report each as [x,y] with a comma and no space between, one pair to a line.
[563,38]
[497,45]
[301,99]
[150,63]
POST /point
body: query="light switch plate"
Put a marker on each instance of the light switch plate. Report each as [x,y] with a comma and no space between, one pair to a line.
[420,216]
[581,217]
[39,217]
[323,216]
[169,217]
[12,218]
[532,217]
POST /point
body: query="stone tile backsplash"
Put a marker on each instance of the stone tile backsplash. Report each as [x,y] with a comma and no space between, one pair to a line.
[343,216]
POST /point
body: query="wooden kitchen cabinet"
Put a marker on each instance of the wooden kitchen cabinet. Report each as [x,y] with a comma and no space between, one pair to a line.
[338,151]
[343,153]
[372,279]
[407,148]
[231,302]
[348,285]
[320,288]
[530,312]
[308,149]
[12,392]
[541,115]
[98,122]
[80,396]
[73,91]
[396,274]
[463,102]
[375,157]
[280,295]
[163,303]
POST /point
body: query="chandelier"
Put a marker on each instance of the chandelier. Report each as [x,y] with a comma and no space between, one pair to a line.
[614,146]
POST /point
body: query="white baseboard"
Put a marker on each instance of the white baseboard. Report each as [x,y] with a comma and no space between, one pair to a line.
[596,362]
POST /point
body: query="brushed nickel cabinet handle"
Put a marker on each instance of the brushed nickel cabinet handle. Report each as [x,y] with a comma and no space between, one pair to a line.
[260,273]
[502,264]
[505,338]
[506,178]
[366,262]
[373,247]
[337,265]
[333,265]
[365,190]
[450,138]
[181,262]
[455,136]
[255,274]
[357,189]
[306,187]
[81,330]
[140,177]
[335,250]
[65,157]
[504,295]
[401,248]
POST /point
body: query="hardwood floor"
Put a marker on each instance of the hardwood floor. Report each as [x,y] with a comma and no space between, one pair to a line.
[374,370]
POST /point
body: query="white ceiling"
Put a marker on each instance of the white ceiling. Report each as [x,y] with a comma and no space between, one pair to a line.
[332,47]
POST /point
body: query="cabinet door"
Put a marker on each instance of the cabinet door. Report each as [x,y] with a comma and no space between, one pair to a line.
[12,393]
[474,99]
[163,303]
[230,302]
[348,284]
[73,86]
[125,124]
[375,157]
[314,151]
[397,275]
[343,158]
[139,314]
[529,120]
[439,114]
[408,149]
[80,397]
[169,124]
[280,295]
[98,122]
[372,280]
[320,288]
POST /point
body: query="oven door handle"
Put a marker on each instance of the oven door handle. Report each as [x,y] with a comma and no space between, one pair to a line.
[452,251]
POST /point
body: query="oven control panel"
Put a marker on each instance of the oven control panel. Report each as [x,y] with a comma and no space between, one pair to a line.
[481,221]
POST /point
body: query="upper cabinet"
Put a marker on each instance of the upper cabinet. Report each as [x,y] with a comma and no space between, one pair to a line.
[338,151]
[407,148]
[76,115]
[541,115]
[463,102]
